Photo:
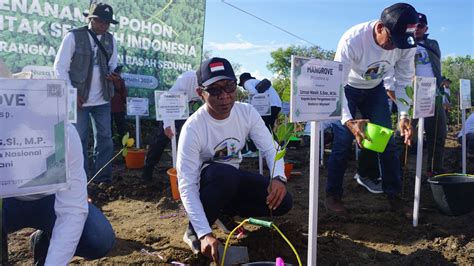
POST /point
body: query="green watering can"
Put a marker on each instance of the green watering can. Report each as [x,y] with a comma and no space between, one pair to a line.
[379,137]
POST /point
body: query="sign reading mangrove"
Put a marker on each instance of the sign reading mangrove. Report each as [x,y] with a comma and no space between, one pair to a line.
[171,105]
[33,151]
[316,89]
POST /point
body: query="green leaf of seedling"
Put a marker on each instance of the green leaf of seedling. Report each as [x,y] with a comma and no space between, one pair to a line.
[409,91]
[280,155]
[124,139]
[125,152]
[281,131]
[403,101]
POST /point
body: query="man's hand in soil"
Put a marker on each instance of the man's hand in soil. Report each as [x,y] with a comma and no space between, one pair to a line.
[357,127]
[169,133]
[405,130]
[276,193]
[209,246]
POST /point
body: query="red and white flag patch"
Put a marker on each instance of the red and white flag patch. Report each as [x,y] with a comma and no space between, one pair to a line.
[217,66]
[411,28]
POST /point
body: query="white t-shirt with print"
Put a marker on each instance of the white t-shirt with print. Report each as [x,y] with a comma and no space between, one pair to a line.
[367,64]
[204,139]
[423,63]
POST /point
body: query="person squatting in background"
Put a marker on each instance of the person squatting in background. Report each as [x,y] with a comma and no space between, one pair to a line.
[254,86]
[187,83]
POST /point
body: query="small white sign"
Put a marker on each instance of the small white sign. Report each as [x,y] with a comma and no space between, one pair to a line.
[261,102]
[465,93]
[33,148]
[72,105]
[171,105]
[137,106]
[424,97]
[316,89]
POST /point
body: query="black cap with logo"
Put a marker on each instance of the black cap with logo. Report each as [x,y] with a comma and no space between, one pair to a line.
[102,11]
[213,70]
[401,20]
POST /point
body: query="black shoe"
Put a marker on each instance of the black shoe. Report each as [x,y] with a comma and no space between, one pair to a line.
[192,240]
[39,241]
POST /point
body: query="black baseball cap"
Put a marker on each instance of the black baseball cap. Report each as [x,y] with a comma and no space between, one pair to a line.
[401,20]
[214,69]
[244,77]
[102,11]
[422,18]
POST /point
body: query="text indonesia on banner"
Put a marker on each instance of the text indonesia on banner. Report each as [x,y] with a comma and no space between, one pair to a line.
[157,39]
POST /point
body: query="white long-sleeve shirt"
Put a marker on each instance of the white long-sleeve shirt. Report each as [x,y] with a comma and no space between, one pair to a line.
[70,206]
[367,64]
[62,65]
[275,100]
[204,139]
[187,83]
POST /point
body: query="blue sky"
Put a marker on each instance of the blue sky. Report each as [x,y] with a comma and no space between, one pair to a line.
[246,40]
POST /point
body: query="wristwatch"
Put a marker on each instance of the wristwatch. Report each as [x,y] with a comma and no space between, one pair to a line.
[280,178]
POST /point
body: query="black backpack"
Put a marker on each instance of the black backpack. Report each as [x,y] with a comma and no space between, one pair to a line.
[263,86]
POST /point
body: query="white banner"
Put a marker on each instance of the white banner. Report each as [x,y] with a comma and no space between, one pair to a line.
[33,155]
[171,105]
[424,97]
[316,89]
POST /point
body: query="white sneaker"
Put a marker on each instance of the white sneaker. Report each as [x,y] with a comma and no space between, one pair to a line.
[191,239]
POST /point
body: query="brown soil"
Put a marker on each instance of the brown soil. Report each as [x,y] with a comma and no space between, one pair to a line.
[149,225]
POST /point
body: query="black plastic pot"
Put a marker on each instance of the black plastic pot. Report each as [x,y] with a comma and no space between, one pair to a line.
[453,193]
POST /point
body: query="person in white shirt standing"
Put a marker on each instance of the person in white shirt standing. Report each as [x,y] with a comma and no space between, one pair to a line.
[67,224]
[378,56]
[86,60]
[209,155]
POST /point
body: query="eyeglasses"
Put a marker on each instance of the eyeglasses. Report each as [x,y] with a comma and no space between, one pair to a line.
[217,90]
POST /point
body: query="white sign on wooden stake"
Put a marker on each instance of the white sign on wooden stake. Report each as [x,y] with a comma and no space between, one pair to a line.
[316,94]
